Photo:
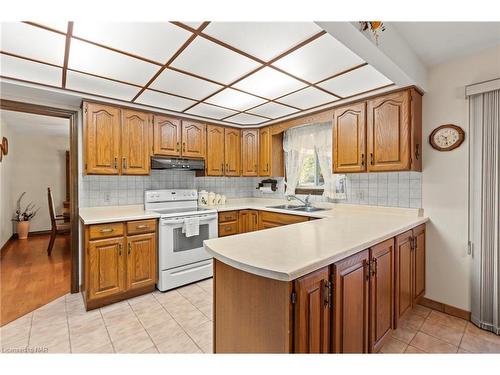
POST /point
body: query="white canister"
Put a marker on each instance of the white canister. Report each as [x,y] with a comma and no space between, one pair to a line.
[211,198]
[217,199]
[222,199]
[203,198]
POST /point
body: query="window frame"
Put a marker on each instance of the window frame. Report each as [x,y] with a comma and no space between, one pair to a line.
[316,189]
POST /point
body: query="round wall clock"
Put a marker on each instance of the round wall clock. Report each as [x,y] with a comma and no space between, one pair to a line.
[446,137]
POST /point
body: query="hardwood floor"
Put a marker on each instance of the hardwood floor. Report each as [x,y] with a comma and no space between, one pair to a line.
[29,278]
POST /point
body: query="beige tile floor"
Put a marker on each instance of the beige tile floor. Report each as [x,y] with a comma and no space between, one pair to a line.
[424,330]
[180,321]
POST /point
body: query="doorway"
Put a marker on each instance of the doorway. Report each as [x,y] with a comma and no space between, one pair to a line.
[42,154]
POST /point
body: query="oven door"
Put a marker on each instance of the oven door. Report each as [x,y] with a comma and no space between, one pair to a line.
[176,249]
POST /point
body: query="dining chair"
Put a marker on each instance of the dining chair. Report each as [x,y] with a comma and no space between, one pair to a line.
[57,228]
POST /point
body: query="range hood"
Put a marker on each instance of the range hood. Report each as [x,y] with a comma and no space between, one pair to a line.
[173,163]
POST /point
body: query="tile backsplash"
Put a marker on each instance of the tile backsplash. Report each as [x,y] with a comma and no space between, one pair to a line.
[397,189]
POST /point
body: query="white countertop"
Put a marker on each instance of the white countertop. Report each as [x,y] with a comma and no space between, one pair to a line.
[110,214]
[288,252]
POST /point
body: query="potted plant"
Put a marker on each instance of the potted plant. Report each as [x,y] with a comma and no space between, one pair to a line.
[23,217]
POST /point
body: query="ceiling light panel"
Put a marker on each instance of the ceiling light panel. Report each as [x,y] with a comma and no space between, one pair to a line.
[307,98]
[100,86]
[234,99]
[319,59]
[158,99]
[33,42]
[212,61]
[272,110]
[30,71]
[356,81]
[184,85]
[269,83]
[157,41]
[211,111]
[264,40]
[89,58]
[246,119]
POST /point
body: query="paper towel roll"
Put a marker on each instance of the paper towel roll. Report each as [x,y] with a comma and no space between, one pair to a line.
[266,189]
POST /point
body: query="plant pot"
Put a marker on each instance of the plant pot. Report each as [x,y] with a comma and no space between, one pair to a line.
[23,228]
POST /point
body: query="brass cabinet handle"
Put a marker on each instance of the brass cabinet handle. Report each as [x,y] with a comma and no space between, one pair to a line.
[184,146]
[106,230]
[124,163]
[363,159]
[227,166]
[120,249]
[178,146]
[116,162]
[142,226]
[371,158]
[417,151]
[373,267]
[228,228]
[267,167]
[129,246]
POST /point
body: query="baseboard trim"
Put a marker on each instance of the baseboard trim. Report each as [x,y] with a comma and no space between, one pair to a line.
[444,308]
[34,233]
[7,243]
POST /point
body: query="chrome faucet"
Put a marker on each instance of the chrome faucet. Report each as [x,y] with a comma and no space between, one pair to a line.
[305,201]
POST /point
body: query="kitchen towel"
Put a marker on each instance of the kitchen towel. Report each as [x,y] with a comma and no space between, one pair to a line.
[191,226]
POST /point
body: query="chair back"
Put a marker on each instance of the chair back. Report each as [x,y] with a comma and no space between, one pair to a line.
[51,207]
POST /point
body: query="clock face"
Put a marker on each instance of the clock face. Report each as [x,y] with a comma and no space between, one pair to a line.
[447,137]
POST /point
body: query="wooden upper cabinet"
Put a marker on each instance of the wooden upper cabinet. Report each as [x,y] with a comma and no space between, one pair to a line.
[388,134]
[404,275]
[232,152]
[312,313]
[419,263]
[167,136]
[135,142]
[102,139]
[381,293]
[193,139]
[350,304]
[265,152]
[349,134]
[106,267]
[250,152]
[215,150]
[141,260]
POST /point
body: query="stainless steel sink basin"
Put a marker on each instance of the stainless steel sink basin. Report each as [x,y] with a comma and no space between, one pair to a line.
[292,207]
[286,206]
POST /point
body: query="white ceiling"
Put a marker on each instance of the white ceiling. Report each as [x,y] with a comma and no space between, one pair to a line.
[32,124]
[437,42]
[240,73]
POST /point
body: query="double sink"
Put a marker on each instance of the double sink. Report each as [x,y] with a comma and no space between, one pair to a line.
[303,208]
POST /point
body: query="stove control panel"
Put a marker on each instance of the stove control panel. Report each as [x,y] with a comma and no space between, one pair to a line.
[168,195]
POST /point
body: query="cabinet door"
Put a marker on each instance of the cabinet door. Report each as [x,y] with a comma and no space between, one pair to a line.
[167,136]
[232,151]
[350,304]
[312,313]
[403,274]
[105,267]
[215,150]
[141,260]
[135,143]
[388,119]
[248,221]
[349,132]
[250,152]
[381,293]
[193,139]
[419,262]
[264,152]
[102,139]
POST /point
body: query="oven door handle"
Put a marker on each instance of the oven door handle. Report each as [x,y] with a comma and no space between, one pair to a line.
[180,221]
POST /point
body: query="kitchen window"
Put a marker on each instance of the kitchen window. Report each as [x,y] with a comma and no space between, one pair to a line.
[311,179]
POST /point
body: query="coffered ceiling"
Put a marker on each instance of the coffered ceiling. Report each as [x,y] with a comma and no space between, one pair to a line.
[240,73]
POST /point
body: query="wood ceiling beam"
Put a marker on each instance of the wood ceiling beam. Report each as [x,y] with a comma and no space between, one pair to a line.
[67,47]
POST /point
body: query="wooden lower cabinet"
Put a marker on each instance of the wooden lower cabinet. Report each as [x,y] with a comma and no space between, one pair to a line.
[351,304]
[248,221]
[117,262]
[273,219]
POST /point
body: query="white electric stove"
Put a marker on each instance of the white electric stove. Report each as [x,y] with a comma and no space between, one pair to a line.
[181,260]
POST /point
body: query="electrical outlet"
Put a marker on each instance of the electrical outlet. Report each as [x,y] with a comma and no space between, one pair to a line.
[107,197]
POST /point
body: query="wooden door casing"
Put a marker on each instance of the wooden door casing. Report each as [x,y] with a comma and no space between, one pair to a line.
[403,269]
[349,138]
[215,150]
[264,152]
[141,260]
[388,132]
[135,143]
[106,267]
[381,293]
[312,313]
[350,304]
[166,136]
[232,152]
[250,152]
[102,139]
[193,139]
[418,262]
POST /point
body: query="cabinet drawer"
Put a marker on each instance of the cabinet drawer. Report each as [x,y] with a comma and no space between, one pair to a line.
[224,217]
[107,230]
[228,229]
[283,219]
[141,226]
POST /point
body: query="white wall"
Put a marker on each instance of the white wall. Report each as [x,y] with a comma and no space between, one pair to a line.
[38,162]
[444,179]
[6,205]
